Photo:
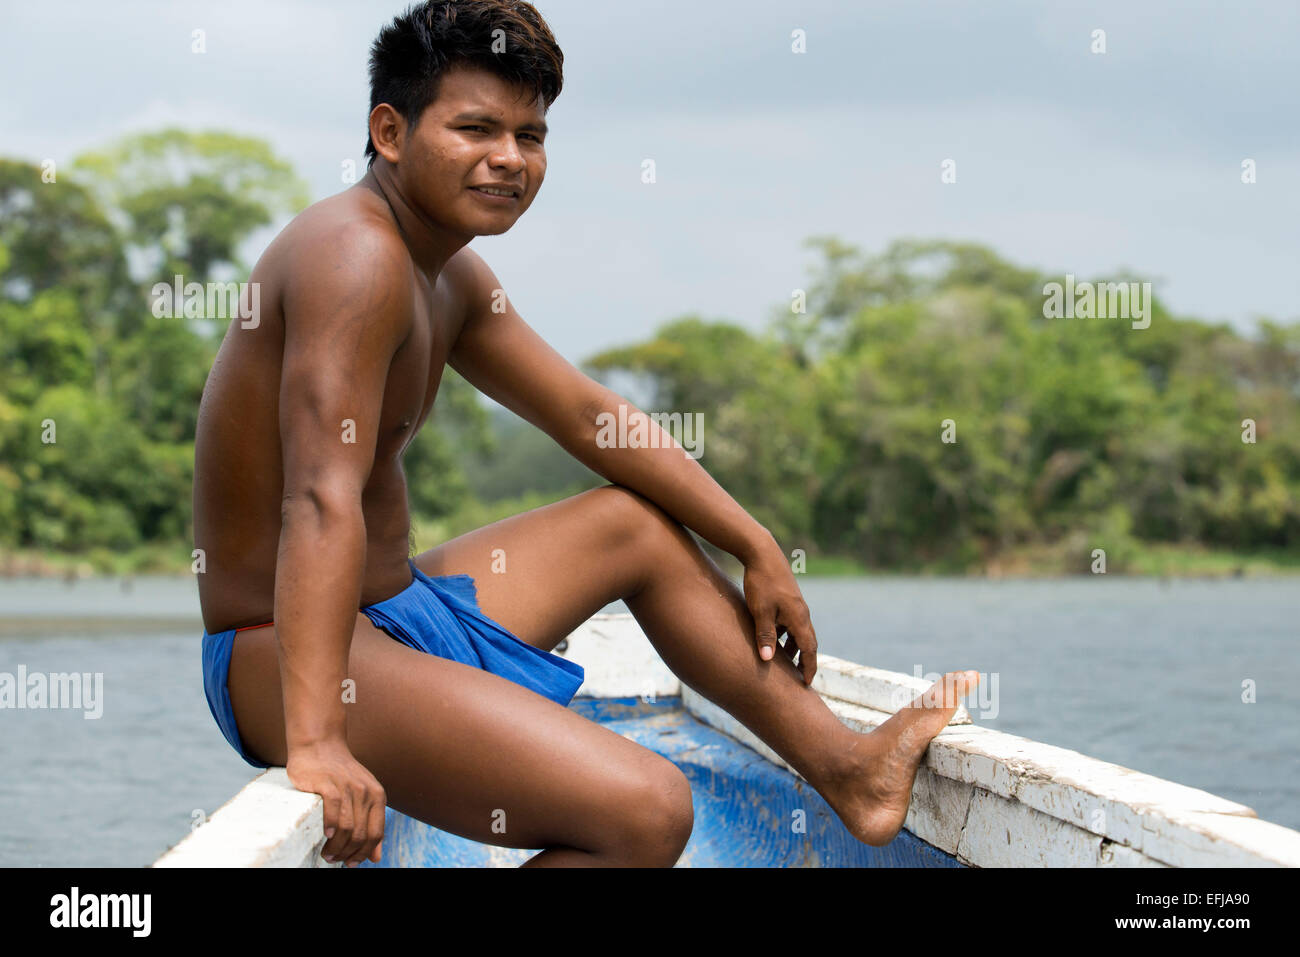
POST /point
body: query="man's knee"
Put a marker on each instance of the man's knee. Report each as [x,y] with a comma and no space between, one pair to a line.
[659,817]
[640,520]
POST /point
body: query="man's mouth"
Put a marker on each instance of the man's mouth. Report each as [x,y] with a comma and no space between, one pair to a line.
[496,191]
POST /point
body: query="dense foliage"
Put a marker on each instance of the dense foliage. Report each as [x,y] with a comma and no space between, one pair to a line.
[99,396]
[828,425]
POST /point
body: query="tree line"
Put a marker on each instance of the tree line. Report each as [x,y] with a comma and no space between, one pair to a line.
[913,406]
[926,405]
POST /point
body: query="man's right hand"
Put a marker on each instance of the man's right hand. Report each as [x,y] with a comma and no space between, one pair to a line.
[354,800]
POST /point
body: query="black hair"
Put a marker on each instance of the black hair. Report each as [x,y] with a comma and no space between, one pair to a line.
[411,54]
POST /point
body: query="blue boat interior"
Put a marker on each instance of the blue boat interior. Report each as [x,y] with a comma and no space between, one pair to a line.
[748,811]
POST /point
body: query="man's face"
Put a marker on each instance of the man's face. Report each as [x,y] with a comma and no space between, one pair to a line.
[479,132]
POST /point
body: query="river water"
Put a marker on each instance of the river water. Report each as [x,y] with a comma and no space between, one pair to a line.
[1141,673]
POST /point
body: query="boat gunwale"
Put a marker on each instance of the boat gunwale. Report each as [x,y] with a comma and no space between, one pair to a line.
[976,784]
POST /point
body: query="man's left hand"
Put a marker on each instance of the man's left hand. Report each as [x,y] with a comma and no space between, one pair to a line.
[778,608]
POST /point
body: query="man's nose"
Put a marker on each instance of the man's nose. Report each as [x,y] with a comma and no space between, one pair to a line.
[507,154]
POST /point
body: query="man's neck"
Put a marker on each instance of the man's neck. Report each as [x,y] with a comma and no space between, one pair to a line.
[430,245]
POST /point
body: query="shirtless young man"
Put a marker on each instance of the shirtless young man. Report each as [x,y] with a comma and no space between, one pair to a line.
[365,297]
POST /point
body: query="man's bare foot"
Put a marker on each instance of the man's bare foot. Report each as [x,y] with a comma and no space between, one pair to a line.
[872,795]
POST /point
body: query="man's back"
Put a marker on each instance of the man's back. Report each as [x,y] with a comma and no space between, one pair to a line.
[319,283]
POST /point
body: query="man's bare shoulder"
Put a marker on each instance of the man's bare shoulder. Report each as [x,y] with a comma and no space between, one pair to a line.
[343,243]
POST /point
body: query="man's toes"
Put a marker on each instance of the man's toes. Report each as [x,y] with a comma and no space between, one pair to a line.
[947,692]
[963,682]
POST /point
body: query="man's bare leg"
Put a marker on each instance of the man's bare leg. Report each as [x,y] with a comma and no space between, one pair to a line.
[564,562]
[480,756]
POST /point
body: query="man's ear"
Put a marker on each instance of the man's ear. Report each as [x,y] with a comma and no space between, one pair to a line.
[387,132]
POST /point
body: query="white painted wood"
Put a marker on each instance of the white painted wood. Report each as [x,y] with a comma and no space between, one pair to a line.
[1003,833]
[269,823]
[1198,839]
[1117,855]
[872,688]
[939,809]
[973,757]
[1122,804]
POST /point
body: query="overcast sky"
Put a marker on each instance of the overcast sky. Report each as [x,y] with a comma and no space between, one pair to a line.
[1066,160]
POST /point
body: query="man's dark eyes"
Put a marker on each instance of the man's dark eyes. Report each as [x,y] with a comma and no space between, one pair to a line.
[484,129]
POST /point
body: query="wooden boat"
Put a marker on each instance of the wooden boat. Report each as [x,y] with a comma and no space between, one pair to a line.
[982,798]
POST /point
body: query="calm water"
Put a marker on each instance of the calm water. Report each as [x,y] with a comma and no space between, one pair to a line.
[1144,674]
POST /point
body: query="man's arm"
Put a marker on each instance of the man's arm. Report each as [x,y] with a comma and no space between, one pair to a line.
[347,308]
[500,355]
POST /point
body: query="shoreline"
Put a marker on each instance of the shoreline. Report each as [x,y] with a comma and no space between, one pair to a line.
[1039,563]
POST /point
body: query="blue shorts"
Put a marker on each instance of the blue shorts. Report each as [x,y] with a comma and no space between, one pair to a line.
[439,616]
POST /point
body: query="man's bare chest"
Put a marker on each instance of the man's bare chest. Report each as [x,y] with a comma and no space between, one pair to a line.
[417,367]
